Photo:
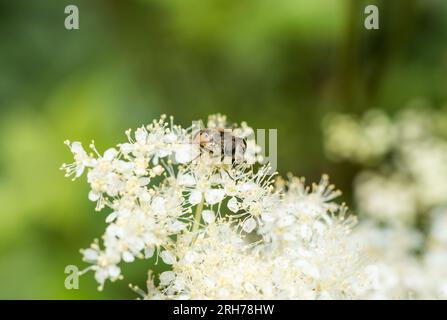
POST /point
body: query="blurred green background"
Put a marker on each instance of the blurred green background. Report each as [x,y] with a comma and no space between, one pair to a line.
[275,64]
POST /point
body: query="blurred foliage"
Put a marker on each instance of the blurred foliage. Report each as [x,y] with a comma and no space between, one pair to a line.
[276,64]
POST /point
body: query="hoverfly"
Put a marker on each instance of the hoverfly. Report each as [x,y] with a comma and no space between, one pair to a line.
[221,142]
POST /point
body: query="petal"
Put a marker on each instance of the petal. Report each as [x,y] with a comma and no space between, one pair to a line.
[124,166]
[158,170]
[114,271]
[145,196]
[141,135]
[111,217]
[213,196]
[128,256]
[149,252]
[144,181]
[79,171]
[170,138]
[76,147]
[100,276]
[186,153]
[267,217]
[208,216]
[195,197]
[158,205]
[190,257]
[233,205]
[167,277]
[126,148]
[110,154]
[93,196]
[186,179]
[167,257]
[177,226]
[249,225]
[90,255]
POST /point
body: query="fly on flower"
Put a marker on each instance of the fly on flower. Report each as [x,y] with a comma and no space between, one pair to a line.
[221,142]
[163,201]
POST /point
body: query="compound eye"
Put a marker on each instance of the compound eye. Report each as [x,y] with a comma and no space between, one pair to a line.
[205,135]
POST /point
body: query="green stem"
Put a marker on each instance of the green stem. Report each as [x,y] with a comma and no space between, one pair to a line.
[198,216]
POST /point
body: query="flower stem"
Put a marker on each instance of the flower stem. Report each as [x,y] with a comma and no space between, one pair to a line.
[198,216]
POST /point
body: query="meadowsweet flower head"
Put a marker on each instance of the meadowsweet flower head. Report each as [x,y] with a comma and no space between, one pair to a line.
[360,140]
[401,196]
[411,150]
[227,230]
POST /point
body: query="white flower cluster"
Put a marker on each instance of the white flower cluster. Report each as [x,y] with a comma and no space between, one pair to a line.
[406,160]
[408,264]
[302,251]
[227,231]
[360,140]
[402,193]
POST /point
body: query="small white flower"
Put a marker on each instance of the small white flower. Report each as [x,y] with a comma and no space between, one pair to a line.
[126,148]
[185,153]
[149,252]
[141,135]
[167,257]
[190,257]
[93,196]
[82,160]
[110,154]
[233,205]
[111,217]
[128,256]
[158,170]
[114,272]
[208,216]
[167,277]
[213,196]
[159,205]
[230,188]
[249,225]
[101,276]
[144,181]
[186,179]
[90,255]
[195,197]
[177,226]
[158,190]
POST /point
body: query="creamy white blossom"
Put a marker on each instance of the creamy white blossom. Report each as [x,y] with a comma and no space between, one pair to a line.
[401,196]
[224,231]
[410,151]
